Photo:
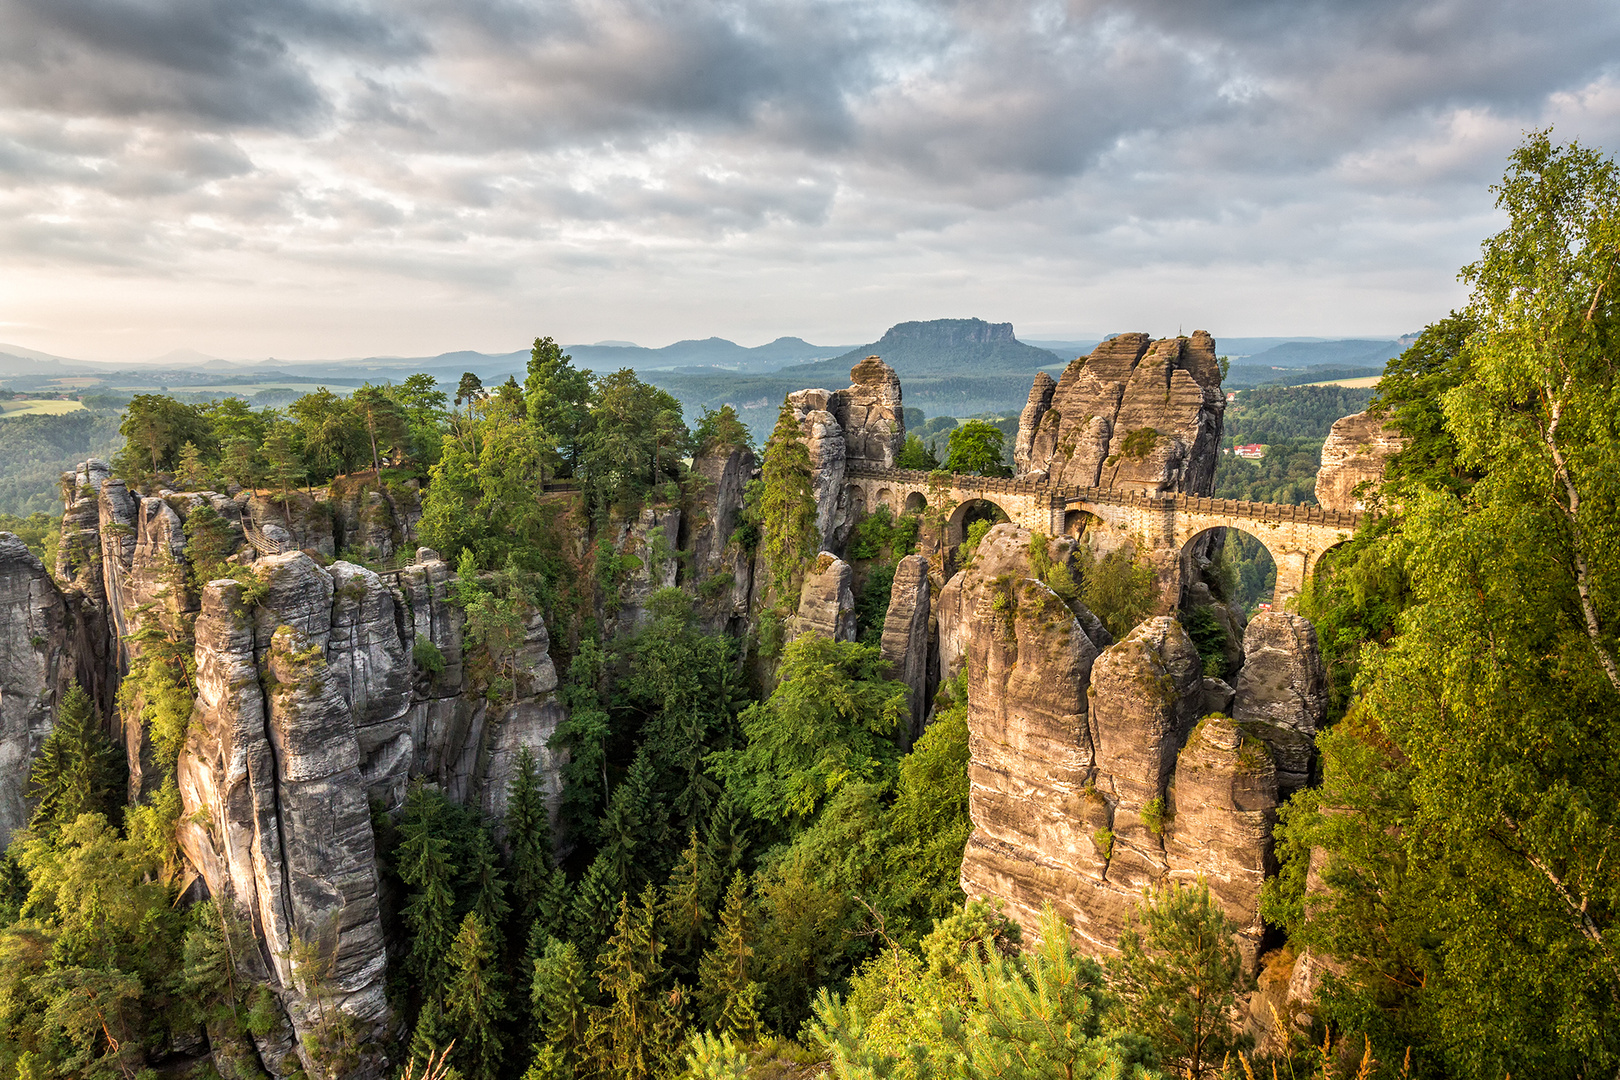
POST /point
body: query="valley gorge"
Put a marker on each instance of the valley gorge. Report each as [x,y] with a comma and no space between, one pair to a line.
[330,669]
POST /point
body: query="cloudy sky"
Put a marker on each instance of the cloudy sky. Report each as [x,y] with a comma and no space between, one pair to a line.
[321,178]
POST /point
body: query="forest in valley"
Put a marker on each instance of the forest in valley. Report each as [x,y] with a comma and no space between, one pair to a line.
[753,871]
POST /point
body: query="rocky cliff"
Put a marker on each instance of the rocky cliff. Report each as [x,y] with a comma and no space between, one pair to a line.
[861,425]
[1353,457]
[1092,775]
[322,688]
[274,813]
[1136,413]
[34,667]
[905,643]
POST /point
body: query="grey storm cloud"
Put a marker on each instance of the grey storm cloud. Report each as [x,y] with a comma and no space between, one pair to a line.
[395,129]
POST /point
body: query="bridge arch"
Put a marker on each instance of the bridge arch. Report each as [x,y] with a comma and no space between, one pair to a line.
[916,502]
[1077,522]
[1257,579]
[970,510]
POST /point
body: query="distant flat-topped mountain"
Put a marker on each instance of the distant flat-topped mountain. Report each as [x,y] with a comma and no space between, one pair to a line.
[936,347]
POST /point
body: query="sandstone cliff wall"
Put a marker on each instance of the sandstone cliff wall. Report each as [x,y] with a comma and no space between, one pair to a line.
[1354,454]
[1135,413]
[319,691]
[861,425]
[34,666]
[1092,775]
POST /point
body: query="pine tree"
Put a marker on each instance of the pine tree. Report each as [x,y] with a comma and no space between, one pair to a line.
[240,463]
[636,1032]
[632,828]
[787,501]
[728,996]
[191,474]
[557,996]
[688,906]
[285,467]
[599,896]
[424,866]
[552,909]
[725,838]
[484,876]
[473,1000]
[528,834]
[1179,974]
[78,768]
[430,1038]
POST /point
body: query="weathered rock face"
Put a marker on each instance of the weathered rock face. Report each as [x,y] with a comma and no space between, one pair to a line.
[951,627]
[369,651]
[274,814]
[1221,809]
[720,480]
[526,718]
[1034,810]
[367,689]
[824,437]
[373,523]
[34,666]
[863,425]
[905,636]
[1029,421]
[826,601]
[870,412]
[648,544]
[1135,413]
[1085,787]
[1355,453]
[79,572]
[1282,692]
[299,524]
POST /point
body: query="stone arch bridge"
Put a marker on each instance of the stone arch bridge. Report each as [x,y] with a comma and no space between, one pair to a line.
[1164,527]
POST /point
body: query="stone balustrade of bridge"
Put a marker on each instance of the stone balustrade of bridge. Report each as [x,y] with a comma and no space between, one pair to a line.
[1163,527]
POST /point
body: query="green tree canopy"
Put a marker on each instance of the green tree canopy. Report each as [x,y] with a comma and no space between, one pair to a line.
[976,447]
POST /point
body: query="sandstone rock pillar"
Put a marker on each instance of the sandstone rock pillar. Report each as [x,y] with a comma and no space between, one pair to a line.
[905,636]
[1282,692]
[33,671]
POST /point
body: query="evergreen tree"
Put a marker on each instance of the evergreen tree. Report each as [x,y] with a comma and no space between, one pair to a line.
[558,397]
[635,826]
[558,997]
[474,1000]
[285,468]
[725,837]
[551,909]
[787,502]
[528,835]
[688,906]
[430,1039]
[240,463]
[728,995]
[78,770]
[1179,974]
[191,474]
[598,897]
[425,867]
[636,1032]
[484,878]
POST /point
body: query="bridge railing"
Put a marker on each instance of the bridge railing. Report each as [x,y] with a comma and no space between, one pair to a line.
[1238,508]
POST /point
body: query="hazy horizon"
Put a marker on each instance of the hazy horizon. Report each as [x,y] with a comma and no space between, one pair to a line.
[317,179]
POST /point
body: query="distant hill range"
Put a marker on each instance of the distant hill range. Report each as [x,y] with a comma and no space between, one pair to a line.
[950,367]
[714,352]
